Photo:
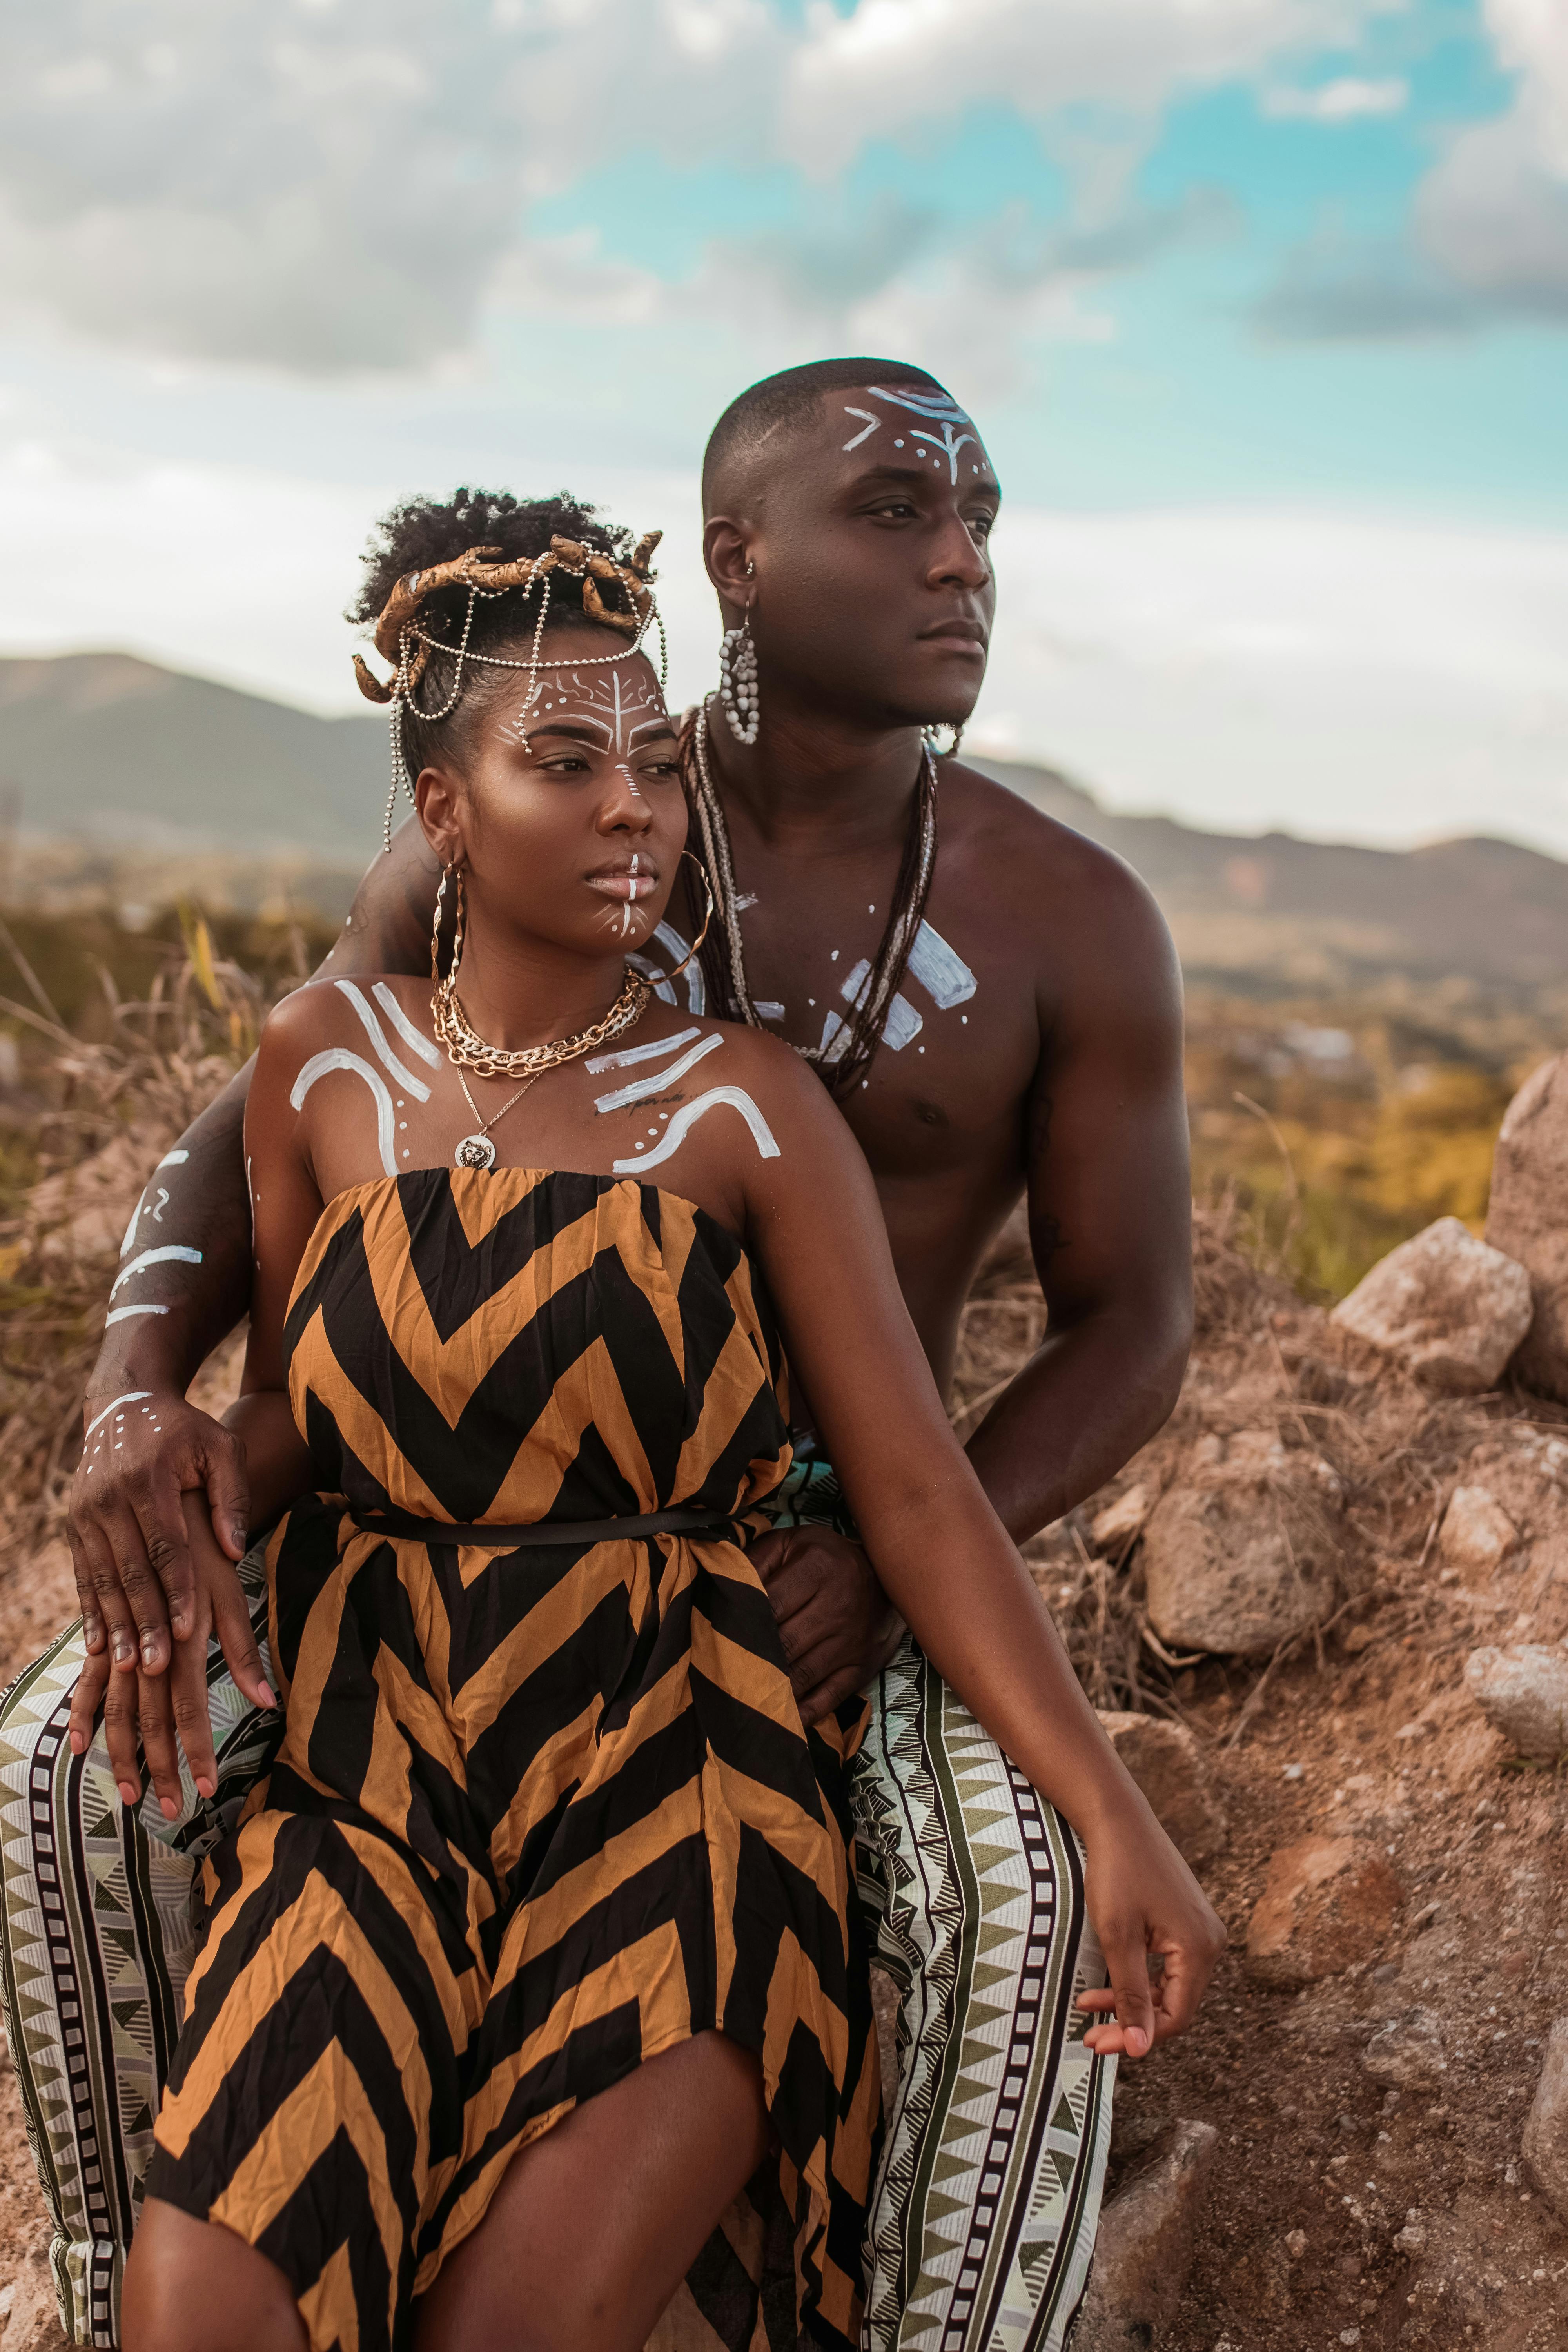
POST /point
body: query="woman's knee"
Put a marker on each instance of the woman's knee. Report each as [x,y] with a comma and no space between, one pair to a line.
[194,2286]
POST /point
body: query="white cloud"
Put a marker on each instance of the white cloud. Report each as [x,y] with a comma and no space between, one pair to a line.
[1346,100]
[1346,678]
[1494,210]
[329,184]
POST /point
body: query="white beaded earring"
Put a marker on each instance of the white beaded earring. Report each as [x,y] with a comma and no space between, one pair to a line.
[738,682]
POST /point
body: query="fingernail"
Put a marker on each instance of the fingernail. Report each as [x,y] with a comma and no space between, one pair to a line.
[170,1808]
[130,1794]
[236,1535]
[1137,2040]
[92,1635]
[205,1787]
[77,1741]
[181,1624]
[149,1651]
[124,1651]
[266,1698]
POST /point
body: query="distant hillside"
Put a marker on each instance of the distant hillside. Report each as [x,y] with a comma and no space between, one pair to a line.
[121,753]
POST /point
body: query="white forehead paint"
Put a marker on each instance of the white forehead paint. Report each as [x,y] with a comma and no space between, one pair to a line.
[336,1059]
[426,1050]
[173,1254]
[938,410]
[624,1060]
[657,1079]
[377,1035]
[940,969]
[686,1119]
[621,706]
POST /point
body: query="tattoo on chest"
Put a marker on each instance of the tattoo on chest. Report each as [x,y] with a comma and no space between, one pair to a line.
[654,1087]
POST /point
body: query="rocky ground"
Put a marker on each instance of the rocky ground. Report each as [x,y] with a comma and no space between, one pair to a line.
[1364,2139]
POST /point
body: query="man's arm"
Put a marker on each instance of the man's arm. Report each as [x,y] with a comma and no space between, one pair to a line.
[184,1283]
[1109,1217]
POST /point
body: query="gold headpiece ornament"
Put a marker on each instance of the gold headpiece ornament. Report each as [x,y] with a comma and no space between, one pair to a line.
[400,639]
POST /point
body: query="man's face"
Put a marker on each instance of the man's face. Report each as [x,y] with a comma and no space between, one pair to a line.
[874,586]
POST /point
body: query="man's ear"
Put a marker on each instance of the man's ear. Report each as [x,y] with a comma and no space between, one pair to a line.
[439,800]
[727,553]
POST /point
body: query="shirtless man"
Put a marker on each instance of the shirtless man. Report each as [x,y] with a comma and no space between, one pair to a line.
[1033,1044]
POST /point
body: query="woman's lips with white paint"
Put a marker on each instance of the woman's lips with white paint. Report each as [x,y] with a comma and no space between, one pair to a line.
[628,887]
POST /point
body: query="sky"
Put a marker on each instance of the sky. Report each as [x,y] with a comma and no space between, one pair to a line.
[1262,306]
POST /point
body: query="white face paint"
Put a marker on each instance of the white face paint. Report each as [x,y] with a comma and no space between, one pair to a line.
[623,710]
[943,432]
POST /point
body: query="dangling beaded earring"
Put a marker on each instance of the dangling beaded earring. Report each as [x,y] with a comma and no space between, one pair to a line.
[738,682]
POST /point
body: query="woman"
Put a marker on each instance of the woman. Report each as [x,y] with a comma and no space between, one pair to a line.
[534,1947]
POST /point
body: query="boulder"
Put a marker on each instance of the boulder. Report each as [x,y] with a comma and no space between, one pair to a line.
[1528,1218]
[1477,1534]
[1523,1693]
[1407,2053]
[1144,2250]
[1243,1552]
[1173,1771]
[1327,1904]
[1451,1309]
[1546,2124]
[1119,1521]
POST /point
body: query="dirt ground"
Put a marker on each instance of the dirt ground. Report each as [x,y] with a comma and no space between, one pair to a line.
[1341,2212]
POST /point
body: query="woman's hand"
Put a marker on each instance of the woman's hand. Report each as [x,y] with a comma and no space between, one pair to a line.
[1143,1899]
[165,1712]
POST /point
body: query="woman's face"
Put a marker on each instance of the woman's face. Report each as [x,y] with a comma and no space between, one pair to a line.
[568,817]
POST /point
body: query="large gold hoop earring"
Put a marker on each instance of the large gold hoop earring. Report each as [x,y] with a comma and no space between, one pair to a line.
[448,873]
[695,949]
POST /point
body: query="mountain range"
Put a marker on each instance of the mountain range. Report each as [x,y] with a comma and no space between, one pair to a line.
[107,749]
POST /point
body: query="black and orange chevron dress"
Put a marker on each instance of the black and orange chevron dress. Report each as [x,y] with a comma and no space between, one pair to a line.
[538,1812]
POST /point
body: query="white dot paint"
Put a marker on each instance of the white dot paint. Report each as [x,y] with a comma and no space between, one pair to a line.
[653,1130]
[663,1115]
[870,911]
[964,1018]
[405,1151]
[919,1049]
[833,958]
[811,1000]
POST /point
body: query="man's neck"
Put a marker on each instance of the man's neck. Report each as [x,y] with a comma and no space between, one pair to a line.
[814,783]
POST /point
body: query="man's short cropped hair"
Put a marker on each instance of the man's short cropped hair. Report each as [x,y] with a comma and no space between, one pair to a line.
[784,400]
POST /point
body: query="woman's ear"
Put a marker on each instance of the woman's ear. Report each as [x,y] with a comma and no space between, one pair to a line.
[438,801]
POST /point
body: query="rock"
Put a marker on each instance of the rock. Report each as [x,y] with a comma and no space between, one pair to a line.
[1174,1773]
[1327,1904]
[1451,1309]
[1546,2124]
[1243,1552]
[1408,2051]
[1528,1218]
[1477,1534]
[1523,1693]
[1145,2250]
[1121,1519]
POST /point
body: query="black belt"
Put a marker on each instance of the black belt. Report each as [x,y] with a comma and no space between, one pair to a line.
[491,1536]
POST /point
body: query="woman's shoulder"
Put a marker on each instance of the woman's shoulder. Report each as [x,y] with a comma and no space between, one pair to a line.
[375,1014]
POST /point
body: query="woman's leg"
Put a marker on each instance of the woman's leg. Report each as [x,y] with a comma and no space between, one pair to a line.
[194,2286]
[594,2225]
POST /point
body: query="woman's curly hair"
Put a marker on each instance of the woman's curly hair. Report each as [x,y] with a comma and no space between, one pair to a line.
[422,532]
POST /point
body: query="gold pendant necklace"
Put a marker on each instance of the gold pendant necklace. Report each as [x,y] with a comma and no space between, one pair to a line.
[477,1150]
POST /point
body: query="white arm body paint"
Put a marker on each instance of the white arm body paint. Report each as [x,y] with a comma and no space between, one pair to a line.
[941,970]
[383,1051]
[656,1079]
[123,1314]
[173,1253]
[426,1050]
[686,1119]
[336,1059]
[170,1159]
[131,1396]
[622,1060]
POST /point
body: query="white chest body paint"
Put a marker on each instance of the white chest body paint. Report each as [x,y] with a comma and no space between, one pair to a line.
[337,1058]
[682,1122]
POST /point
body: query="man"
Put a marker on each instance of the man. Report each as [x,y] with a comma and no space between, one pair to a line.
[1027,1035]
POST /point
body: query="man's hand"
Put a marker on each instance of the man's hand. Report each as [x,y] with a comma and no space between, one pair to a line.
[168,1711]
[1145,1900]
[837,1626]
[128,1532]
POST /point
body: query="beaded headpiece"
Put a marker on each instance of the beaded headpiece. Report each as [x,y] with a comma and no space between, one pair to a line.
[400,639]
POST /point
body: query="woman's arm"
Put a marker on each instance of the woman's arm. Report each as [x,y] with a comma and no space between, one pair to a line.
[946,1560]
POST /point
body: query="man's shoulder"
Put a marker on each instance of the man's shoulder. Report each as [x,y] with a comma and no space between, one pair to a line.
[1024,861]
